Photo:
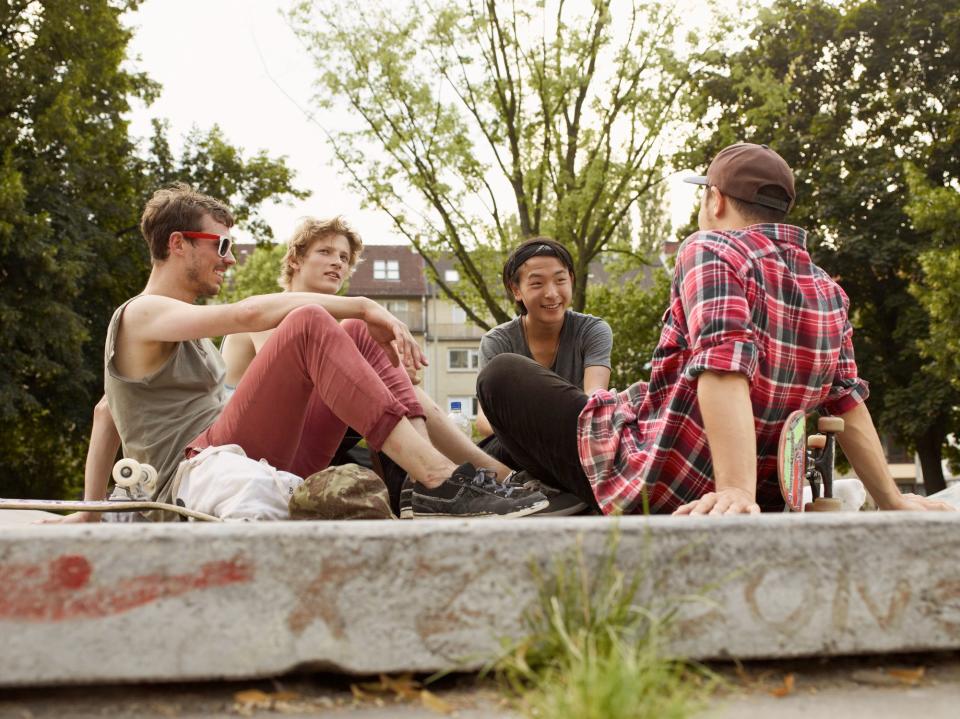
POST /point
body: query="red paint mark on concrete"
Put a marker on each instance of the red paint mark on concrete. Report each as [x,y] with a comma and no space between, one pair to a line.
[64,588]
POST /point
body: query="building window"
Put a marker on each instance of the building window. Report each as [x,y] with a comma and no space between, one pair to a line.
[468,405]
[386,269]
[451,276]
[395,306]
[464,360]
[458,316]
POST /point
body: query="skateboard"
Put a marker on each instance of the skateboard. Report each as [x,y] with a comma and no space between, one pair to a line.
[801,458]
[138,482]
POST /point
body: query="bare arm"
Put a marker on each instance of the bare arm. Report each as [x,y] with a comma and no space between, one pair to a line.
[159,319]
[724,400]
[861,445]
[594,378]
[104,443]
[238,352]
[482,423]
[156,318]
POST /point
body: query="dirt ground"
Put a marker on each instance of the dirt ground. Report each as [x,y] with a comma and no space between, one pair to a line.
[926,686]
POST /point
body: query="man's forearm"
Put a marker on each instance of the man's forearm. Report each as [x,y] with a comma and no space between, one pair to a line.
[267,311]
[727,413]
[862,447]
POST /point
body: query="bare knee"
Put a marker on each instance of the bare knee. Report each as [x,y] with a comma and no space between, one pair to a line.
[307,316]
[357,329]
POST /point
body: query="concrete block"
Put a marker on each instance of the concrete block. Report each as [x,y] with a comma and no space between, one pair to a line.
[125,603]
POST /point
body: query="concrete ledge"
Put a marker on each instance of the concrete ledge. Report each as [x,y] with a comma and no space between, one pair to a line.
[100,603]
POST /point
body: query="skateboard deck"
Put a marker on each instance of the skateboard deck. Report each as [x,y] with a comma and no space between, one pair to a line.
[58,505]
[792,460]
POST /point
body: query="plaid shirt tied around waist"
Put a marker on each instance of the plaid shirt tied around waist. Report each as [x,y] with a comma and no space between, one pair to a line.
[748,301]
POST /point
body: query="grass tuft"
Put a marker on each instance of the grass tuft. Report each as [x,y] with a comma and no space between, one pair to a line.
[592,651]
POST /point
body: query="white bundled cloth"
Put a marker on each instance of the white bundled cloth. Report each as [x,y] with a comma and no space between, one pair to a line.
[225,482]
[850,492]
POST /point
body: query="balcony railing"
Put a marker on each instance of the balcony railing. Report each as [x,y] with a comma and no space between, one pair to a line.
[457,331]
[412,319]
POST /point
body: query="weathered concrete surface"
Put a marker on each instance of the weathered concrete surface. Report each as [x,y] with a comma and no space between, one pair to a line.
[99,603]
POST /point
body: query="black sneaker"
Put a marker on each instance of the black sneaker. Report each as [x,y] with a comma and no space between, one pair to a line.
[562,504]
[469,492]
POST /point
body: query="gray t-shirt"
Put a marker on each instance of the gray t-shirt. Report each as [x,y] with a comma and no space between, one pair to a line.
[585,341]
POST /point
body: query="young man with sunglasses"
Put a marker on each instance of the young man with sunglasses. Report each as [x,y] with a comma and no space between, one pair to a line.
[754,331]
[164,380]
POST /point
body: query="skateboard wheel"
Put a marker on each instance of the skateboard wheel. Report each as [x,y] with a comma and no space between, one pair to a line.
[817,441]
[149,475]
[126,472]
[830,424]
[824,504]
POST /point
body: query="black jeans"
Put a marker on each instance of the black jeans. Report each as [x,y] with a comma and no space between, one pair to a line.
[534,412]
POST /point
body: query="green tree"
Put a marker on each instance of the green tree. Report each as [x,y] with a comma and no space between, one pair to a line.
[484,123]
[72,184]
[66,185]
[210,162]
[258,275]
[633,304]
[937,210]
[847,92]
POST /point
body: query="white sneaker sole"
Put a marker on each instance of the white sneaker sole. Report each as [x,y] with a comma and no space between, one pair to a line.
[532,509]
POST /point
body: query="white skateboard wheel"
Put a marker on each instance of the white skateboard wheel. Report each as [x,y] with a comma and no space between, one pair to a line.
[149,475]
[126,472]
[817,441]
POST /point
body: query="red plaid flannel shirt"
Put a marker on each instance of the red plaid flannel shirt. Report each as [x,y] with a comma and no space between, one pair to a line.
[748,301]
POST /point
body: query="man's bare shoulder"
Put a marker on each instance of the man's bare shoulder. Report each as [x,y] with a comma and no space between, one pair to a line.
[147,304]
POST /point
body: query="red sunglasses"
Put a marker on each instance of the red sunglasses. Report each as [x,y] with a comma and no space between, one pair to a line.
[225,241]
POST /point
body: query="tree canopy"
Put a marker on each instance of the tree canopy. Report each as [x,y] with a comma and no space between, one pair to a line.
[72,185]
[484,123]
[853,94]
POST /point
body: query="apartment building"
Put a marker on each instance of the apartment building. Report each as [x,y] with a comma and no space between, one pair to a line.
[396,277]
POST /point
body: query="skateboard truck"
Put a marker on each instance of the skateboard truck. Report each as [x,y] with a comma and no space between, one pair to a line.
[819,470]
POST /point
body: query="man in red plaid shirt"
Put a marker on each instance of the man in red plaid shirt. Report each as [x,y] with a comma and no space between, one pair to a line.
[754,331]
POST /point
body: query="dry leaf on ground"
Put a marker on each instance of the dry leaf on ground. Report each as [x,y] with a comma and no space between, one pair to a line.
[908,676]
[251,696]
[434,703]
[786,688]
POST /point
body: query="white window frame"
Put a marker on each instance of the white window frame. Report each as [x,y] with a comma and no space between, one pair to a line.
[388,270]
[473,359]
[468,404]
[458,315]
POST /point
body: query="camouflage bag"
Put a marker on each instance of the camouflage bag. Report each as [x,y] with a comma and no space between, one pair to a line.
[347,491]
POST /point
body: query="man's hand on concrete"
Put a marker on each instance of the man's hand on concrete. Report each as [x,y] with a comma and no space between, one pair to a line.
[916,503]
[75,518]
[726,501]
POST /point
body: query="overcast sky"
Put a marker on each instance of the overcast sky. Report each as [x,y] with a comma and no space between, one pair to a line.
[237,63]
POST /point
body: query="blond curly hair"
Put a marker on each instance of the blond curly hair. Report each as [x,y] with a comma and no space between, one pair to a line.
[309,231]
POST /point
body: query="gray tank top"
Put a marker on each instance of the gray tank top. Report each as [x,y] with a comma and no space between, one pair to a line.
[158,415]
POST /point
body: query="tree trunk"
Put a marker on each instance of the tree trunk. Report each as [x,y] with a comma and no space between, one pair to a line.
[579,299]
[930,451]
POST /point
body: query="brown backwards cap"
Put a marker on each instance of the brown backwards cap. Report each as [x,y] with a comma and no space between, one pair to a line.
[742,170]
